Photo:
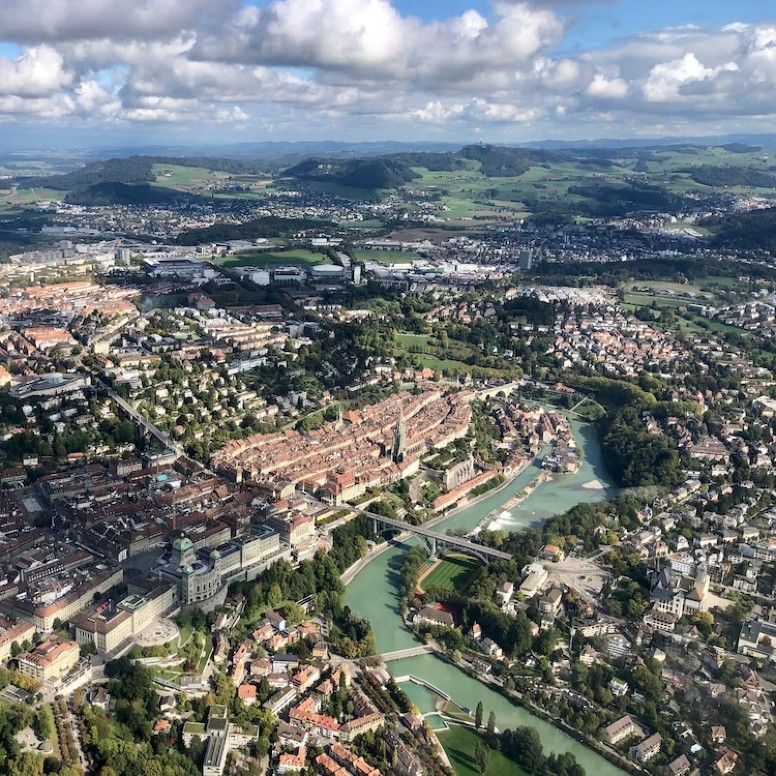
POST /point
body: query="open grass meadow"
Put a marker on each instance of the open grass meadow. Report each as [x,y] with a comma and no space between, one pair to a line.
[430,346]
[30,196]
[459,744]
[663,285]
[632,301]
[454,367]
[452,709]
[184,635]
[427,351]
[200,180]
[180,177]
[710,324]
[681,226]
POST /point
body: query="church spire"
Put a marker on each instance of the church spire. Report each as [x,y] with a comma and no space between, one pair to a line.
[399,440]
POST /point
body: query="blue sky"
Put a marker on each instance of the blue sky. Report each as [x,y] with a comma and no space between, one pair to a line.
[601,23]
[510,71]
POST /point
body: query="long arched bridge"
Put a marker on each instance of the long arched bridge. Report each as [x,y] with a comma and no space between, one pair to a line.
[434,541]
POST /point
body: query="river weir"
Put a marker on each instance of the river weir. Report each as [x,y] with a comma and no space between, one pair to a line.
[503,512]
[373,594]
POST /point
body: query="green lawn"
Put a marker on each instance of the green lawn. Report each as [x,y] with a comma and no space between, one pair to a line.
[682,225]
[429,346]
[272,258]
[204,181]
[662,285]
[455,367]
[454,573]
[405,340]
[711,324]
[590,409]
[452,709]
[723,281]
[206,652]
[185,635]
[459,744]
[690,322]
[168,673]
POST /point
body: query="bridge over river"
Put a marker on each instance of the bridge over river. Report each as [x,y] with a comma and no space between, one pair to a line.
[401,654]
[434,541]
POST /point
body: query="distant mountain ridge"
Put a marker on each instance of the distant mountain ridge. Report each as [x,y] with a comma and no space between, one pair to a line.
[575,182]
[127,180]
[391,171]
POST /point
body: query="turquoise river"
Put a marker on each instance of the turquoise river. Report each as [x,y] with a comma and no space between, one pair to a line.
[372,594]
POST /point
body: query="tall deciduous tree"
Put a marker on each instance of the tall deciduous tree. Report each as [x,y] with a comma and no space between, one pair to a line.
[481,757]
[491,723]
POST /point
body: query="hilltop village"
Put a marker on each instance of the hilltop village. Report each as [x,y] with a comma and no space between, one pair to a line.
[201,459]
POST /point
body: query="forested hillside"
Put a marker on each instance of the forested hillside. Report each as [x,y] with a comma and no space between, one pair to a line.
[269,226]
[732,176]
[380,173]
[753,230]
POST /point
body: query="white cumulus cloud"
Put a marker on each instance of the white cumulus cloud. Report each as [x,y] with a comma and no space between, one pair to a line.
[666,80]
[607,88]
[343,65]
[37,72]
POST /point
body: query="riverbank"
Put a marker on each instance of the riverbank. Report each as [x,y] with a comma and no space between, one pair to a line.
[514,697]
[466,689]
[460,508]
[565,490]
[608,752]
[542,477]
[372,593]
[349,573]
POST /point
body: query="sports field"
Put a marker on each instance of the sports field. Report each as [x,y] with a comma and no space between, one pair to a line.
[453,572]
[386,257]
[296,257]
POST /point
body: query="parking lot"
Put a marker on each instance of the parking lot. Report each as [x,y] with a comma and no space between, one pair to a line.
[581,574]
